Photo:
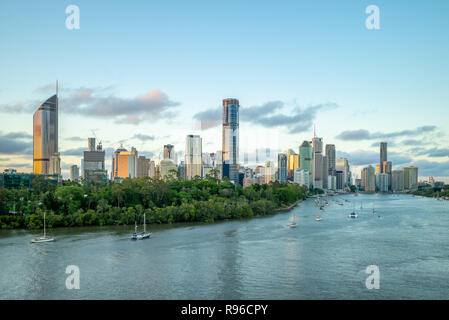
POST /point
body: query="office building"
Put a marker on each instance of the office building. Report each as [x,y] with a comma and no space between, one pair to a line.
[168,168]
[169,152]
[45,136]
[230,135]
[302,177]
[383,155]
[342,165]
[270,172]
[292,163]
[74,173]
[331,160]
[382,182]
[193,156]
[93,166]
[397,183]
[143,167]
[306,158]
[282,167]
[124,163]
[410,178]
[368,180]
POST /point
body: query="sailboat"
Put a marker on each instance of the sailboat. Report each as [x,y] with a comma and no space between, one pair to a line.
[141,235]
[292,220]
[44,238]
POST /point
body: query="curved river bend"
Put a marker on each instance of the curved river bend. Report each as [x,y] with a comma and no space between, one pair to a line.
[262,258]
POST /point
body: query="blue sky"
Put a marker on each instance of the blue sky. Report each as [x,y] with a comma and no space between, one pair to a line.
[171,62]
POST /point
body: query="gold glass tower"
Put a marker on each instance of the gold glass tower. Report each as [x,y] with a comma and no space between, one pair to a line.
[45,135]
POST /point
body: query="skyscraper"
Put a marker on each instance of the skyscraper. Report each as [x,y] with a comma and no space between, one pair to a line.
[231,139]
[306,158]
[193,156]
[124,163]
[74,173]
[90,144]
[45,136]
[317,144]
[342,164]
[169,152]
[410,178]
[387,168]
[368,180]
[292,163]
[397,183]
[282,167]
[330,154]
[383,155]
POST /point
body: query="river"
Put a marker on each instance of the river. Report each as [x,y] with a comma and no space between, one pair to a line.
[262,258]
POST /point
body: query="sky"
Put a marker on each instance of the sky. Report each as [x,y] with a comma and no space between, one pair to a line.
[147,73]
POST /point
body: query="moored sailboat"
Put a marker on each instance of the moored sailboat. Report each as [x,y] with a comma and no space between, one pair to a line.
[141,235]
[44,238]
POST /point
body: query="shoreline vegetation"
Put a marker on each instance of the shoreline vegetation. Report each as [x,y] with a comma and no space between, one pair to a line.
[163,202]
[433,192]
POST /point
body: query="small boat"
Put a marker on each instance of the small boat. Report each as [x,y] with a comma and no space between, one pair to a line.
[44,238]
[141,235]
[318,218]
[292,220]
[374,211]
[353,215]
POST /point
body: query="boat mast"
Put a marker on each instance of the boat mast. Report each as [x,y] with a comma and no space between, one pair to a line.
[44,224]
[144,224]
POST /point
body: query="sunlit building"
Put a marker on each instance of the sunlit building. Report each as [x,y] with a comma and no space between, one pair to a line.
[45,136]
[293,163]
[124,163]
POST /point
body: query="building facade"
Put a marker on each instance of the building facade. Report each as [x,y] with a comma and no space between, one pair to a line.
[45,136]
[193,156]
[230,135]
[282,167]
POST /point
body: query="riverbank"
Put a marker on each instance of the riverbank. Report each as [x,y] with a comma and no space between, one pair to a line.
[288,208]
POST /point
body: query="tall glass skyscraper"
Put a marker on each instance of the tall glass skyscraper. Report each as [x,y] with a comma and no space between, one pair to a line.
[193,156]
[282,167]
[383,155]
[45,136]
[306,158]
[230,149]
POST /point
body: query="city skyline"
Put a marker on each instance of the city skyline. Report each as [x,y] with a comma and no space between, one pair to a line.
[357,98]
